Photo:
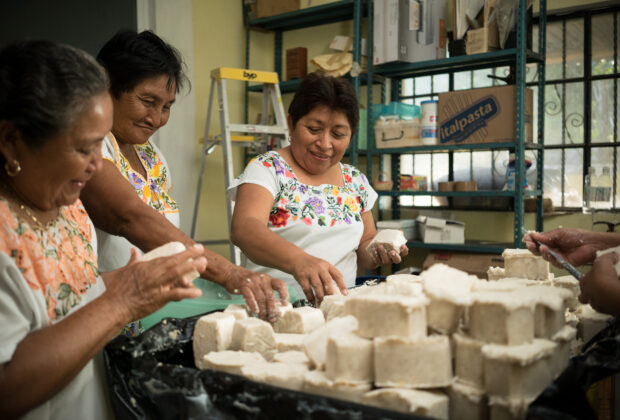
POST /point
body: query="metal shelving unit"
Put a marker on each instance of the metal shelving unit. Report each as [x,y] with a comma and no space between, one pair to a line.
[516,58]
[313,16]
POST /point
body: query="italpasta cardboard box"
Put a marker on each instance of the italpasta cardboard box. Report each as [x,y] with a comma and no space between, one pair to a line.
[484,115]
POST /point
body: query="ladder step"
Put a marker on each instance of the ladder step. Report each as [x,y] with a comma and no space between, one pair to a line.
[245,75]
[218,139]
[257,128]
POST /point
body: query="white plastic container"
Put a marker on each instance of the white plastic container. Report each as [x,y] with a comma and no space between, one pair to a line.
[429,122]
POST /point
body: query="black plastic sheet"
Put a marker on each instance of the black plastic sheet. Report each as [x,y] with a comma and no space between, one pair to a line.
[565,398]
[153,376]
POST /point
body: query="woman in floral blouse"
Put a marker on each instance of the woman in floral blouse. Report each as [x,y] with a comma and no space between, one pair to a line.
[57,311]
[129,199]
[302,215]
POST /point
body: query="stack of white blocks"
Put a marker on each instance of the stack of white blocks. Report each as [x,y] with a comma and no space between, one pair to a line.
[442,345]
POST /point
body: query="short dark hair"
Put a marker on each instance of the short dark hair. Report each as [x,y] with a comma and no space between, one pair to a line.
[130,57]
[44,86]
[317,89]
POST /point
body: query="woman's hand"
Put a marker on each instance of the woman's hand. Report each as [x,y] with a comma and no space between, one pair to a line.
[574,245]
[316,277]
[141,288]
[257,290]
[600,287]
[381,257]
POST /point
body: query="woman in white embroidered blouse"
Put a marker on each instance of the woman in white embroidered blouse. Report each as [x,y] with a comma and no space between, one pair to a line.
[300,214]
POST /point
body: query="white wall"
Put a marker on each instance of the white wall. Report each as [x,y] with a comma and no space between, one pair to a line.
[172,20]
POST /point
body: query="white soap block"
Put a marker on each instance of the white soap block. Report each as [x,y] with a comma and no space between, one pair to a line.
[299,320]
[549,313]
[467,402]
[564,339]
[327,303]
[349,358]
[420,403]
[236,310]
[523,264]
[607,251]
[508,409]
[316,382]
[468,360]
[449,291]
[409,278]
[284,375]
[590,322]
[387,315]
[518,371]
[502,318]
[496,273]
[230,361]
[293,356]
[213,332]
[288,342]
[282,309]
[571,318]
[254,335]
[391,239]
[336,310]
[366,289]
[403,285]
[167,250]
[315,343]
[571,284]
[404,363]
[500,285]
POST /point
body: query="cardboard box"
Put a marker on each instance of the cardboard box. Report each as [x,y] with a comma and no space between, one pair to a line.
[399,133]
[296,63]
[413,183]
[378,35]
[482,40]
[482,115]
[421,30]
[441,231]
[266,8]
[486,38]
[476,264]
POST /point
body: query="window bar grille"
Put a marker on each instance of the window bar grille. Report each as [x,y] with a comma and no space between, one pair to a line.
[563,113]
[615,95]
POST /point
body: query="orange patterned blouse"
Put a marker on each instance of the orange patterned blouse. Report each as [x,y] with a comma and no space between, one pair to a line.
[59,261]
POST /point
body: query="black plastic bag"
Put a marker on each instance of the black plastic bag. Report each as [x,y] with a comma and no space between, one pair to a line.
[565,398]
[152,376]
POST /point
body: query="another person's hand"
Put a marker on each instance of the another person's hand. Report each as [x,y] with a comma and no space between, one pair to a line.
[570,244]
[257,290]
[140,288]
[600,287]
[381,257]
[316,278]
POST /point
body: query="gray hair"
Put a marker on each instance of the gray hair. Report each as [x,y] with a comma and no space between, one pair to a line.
[44,86]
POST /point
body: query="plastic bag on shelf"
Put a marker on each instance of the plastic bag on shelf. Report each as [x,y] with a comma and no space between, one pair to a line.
[506,14]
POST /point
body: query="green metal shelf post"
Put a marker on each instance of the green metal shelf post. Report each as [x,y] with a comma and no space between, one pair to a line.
[540,70]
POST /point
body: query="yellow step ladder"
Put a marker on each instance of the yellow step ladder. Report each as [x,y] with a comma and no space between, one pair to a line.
[248,135]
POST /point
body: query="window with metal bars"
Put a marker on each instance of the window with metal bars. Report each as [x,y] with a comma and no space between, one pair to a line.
[581,114]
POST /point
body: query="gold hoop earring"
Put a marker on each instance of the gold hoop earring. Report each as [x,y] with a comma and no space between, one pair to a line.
[12,169]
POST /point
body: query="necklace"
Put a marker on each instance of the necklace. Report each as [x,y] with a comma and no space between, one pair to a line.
[40,229]
[36,221]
